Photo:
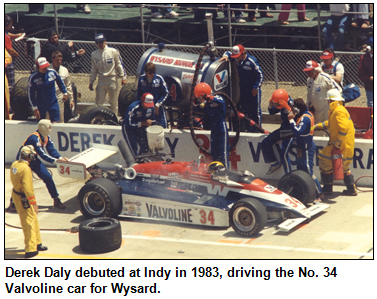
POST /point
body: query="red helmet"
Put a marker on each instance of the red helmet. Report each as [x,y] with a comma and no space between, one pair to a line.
[281,97]
[202,90]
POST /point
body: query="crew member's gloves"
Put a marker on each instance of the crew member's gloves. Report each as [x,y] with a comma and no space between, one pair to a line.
[315,127]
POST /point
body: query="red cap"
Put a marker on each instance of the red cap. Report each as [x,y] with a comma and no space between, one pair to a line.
[42,63]
[327,55]
[237,50]
[311,64]
[147,100]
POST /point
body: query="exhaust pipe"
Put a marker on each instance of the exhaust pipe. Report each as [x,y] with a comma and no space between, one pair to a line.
[130,173]
[211,39]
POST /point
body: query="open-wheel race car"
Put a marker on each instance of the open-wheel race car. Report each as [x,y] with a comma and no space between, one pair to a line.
[155,187]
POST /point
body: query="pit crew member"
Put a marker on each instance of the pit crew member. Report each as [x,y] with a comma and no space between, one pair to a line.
[25,202]
[106,64]
[279,102]
[42,93]
[342,136]
[250,81]
[139,116]
[152,83]
[306,148]
[216,109]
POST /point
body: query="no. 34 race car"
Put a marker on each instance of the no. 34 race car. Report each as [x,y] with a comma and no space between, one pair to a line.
[185,192]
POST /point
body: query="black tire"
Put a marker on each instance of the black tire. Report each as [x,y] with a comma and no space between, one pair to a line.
[126,153]
[100,198]
[98,115]
[100,235]
[19,100]
[127,95]
[300,185]
[248,217]
[68,114]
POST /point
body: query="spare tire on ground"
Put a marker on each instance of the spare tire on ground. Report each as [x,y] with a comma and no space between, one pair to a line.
[19,100]
[98,115]
[127,95]
[99,235]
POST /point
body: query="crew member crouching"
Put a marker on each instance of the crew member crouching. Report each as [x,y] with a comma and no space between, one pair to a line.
[342,136]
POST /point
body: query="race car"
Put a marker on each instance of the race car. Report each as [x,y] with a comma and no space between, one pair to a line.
[152,186]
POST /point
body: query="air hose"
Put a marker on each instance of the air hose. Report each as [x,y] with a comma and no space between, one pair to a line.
[363,176]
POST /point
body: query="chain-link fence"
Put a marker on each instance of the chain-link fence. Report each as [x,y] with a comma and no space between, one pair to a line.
[281,68]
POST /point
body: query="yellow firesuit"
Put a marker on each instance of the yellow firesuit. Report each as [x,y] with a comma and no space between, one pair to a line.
[342,135]
[22,180]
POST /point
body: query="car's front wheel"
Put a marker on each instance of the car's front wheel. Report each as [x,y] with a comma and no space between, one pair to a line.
[248,217]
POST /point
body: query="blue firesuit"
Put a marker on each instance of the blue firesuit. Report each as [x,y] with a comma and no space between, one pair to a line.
[45,150]
[274,137]
[216,109]
[42,94]
[250,77]
[159,90]
[134,134]
[306,147]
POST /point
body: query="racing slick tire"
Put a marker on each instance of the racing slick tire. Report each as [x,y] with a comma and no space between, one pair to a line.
[127,95]
[100,198]
[99,235]
[98,115]
[19,100]
[300,185]
[248,217]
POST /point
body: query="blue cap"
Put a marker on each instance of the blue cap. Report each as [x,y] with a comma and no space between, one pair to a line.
[370,42]
[99,37]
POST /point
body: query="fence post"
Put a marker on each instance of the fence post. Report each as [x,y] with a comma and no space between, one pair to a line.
[275,68]
[56,19]
[142,24]
[229,13]
[319,27]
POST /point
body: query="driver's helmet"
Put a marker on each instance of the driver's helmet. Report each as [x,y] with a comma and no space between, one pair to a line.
[202,90]
[216,167]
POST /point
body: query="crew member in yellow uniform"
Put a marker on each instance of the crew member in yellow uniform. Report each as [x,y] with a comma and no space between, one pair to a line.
[25,202]
[342,136]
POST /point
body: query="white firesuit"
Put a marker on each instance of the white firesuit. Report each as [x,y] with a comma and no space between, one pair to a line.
[64,75]
[107,64]
[317,93]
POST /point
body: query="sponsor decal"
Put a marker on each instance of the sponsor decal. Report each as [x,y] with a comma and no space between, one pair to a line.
[153,181]
[188,77]
[183,215]
[221,80]
[269,188]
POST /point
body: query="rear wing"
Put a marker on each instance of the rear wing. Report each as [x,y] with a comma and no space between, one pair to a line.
[76,167]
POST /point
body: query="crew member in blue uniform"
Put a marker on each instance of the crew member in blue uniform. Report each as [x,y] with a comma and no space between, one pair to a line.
[216,109]
[303,130]
[250,81]
[139,116]
[42,93]
[43,145]
[152,83]
[279,102]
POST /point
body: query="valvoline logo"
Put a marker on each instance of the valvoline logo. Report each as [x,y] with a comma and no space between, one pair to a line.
[221,80]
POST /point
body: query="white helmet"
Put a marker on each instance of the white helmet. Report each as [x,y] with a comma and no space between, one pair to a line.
[28,151]
[44,127]
[334,95]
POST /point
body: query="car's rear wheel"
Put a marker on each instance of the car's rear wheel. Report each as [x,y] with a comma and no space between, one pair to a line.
[248,217]
[300,185]
[100,198]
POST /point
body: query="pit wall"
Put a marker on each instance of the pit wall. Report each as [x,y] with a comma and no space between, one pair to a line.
[71,139]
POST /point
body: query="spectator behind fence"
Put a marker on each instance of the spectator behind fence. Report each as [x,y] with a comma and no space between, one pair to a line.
[199,14]
[263,14]
[237,13]
[8,60]
[338,17]
[332,67]
[283,16]
[168,12]
[83,7]
[365,71]
[108,66]
[41,91]
[361,20]
[57,59]
[36,8]
[318,85]
[67,49]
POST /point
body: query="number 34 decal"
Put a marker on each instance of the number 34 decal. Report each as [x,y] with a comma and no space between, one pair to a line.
[64,170]
[204,218]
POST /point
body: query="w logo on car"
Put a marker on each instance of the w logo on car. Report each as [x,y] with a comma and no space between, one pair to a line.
[221,80]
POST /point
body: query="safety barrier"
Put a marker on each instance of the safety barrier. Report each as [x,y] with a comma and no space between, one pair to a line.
[71,139]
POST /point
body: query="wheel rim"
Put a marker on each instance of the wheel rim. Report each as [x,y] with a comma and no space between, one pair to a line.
[292,188]
[98,120]
[244,219]
[94,203]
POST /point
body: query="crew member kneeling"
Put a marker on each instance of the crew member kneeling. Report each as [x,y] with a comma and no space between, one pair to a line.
[25,202]
[139,116]
[342,136]
[216,109]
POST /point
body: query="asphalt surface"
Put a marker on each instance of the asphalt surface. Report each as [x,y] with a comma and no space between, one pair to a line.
[344,231]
